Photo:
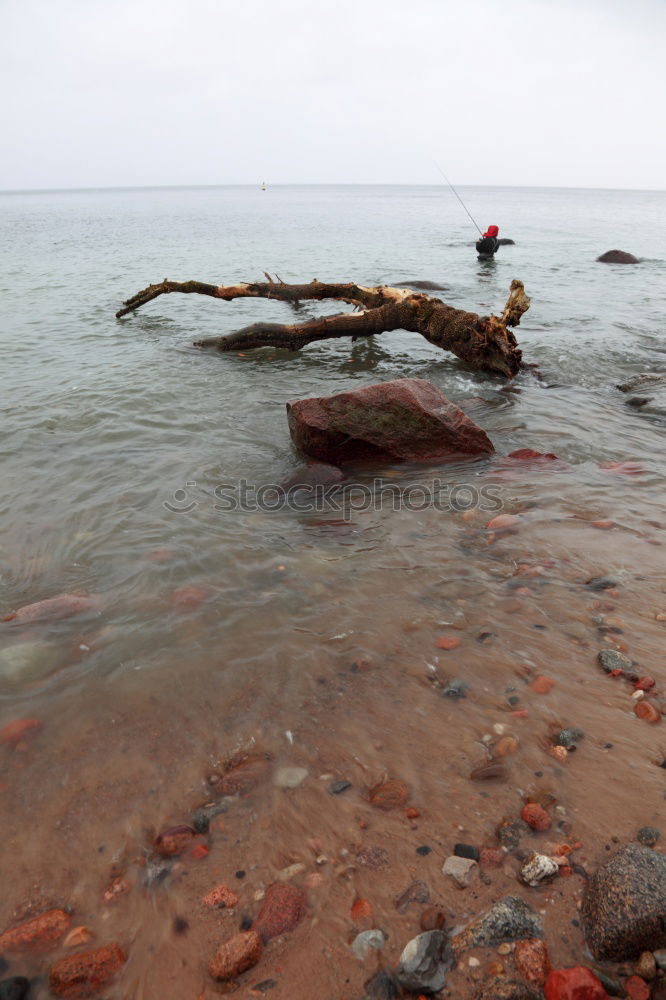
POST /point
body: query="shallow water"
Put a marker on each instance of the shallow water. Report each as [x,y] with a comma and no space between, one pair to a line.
[310,637]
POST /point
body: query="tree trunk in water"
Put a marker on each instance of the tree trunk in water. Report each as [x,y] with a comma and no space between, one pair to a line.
[484,342]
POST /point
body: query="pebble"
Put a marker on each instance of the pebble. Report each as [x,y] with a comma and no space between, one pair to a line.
[648,835]
[488,770]
[366,941]
[291,871]
[660,958]
[460,870]
[361,910]
[610,659]
[455,689]
[88,972]
[537,867]
[424,962]
[646,710]
[376,858]
[637,988]
[646,966]
[221,896]
[570,737]
[506,746]
[572,984]
[510,834]
[507,920]
[39,933]
[282,909]
[204,814]
[340,786]
[53,609]
[16,988]
[532,961]
[289,777]
[447,642]
[466,851]
[383,986]
[389,795]
[240,953]
[245,777]
[174,841]
[536,816]
[559,753]
[491,857]
[542,684]
[601,583]
[424,850]
[77,936]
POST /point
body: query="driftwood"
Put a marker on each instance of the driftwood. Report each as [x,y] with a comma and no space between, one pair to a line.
[484,342]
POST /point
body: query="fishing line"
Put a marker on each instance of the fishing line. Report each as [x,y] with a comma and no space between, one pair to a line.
[458,197]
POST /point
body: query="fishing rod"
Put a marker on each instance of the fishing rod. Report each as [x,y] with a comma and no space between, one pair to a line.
[458,197]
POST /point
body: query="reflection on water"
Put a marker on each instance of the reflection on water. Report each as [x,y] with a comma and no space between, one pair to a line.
[311,637]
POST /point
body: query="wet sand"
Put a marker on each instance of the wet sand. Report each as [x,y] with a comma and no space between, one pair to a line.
[332,665]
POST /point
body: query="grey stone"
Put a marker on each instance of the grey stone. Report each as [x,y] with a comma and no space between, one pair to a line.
[367,941]
[459,869]
[648,835]
[510,834]
[16,988]
[624,905]
[383,986]
[424,963]
[610,659]
[205,813]
[455,689]
[507,989]
[569,738]
[660,958]
[508,920]
[25,663]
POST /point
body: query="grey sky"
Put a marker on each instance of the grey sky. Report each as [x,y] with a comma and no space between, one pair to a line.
[139,92]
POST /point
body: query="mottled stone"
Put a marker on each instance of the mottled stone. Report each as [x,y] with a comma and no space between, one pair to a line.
[460,870]
[87,973]
[508,920]
[282,909]
[36,934]
[624,905]
[240,953]
[502,988]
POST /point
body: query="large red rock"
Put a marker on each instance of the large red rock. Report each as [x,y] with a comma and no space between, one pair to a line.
[37,934]
[574,984]
[240,953]
[283,907]
[53,609]
[86,973]
[408,419]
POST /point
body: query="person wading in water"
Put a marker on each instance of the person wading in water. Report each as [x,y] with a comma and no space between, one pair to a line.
[488,245]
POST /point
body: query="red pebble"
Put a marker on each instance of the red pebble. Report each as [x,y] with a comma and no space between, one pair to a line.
[532,961]
[37,934]
[174,841]
[646,710]
[503,522]
[86,973]
[574,984]
[525,454]
[282,909]
[221,896]
[565,871]
[447,642]
[361,909]
[623,468]
[645,684]
[412,813]
[491,857]
[200,852]
[637,988]
[521,713]
[536,816]
[18,730]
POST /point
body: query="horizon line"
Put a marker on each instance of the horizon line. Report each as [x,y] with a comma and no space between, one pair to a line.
[375,184]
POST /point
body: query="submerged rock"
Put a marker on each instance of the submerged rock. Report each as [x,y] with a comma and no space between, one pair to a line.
[617,257]
[36,934]
[624,906]
[424,963]
[86,973]
[16,988]
[28,662]
[537,868]
[282,909]
[367,941]
[382,986]
[407,419]
[577,983]
[508,920]
[240,953]
[53,609]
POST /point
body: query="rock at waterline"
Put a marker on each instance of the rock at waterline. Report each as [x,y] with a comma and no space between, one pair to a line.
[406,420]
[508,920]
[624,906]
[501,988]
[312,475]
[424,963]
[504,242]
[617,257]
[382,986]
[28,662]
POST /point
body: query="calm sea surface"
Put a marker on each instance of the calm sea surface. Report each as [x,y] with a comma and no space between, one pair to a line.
[107,424]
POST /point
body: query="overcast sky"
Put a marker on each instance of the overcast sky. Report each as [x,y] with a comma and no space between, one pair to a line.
[141,92]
